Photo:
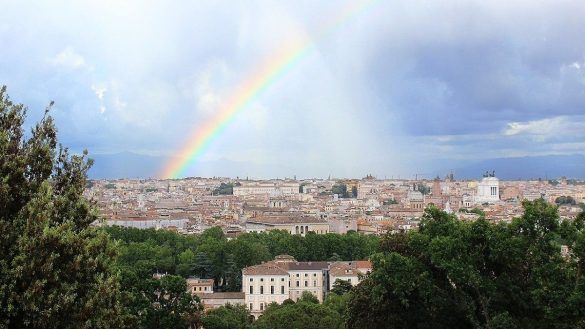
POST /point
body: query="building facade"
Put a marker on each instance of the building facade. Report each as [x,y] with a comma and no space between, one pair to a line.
[488,189]
[285,278]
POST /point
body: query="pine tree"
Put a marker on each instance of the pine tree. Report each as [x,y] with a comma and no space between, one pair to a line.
[55,269]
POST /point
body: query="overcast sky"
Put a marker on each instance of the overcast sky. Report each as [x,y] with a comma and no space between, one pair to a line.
[399,83]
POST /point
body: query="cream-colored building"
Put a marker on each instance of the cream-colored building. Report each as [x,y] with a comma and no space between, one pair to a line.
[294,225]
[197,286]
[269,188]
[352,272]
[264,284]
[215,300]
[307,276]
[285,278]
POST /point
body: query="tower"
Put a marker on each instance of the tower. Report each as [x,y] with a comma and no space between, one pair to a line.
[436,190]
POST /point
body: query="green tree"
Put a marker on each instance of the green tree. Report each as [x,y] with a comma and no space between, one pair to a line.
[308,297]
[203,266]
[186,261]
[338,303]
[562,200]
[422,188]
[302,314]
[55,270]
[341,287]
[224,189]
[340,189]
[227,317]
[171,306]
[453,274]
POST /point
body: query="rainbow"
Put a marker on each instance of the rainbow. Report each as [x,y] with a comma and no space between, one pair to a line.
[252,88]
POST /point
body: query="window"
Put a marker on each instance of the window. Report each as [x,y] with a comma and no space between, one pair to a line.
[314,274]
[282,290]
[298,283]
[261,306]
[297,275]
[314,283]
[261,289]
[306,275]
[282,279]
[251,279]
[272,290]
[261,279]
[251,306]
[271,279]
[251,290]
[306,283]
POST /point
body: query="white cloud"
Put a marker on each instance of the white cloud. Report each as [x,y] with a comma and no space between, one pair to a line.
[68,57]
[548,128]
[99,91]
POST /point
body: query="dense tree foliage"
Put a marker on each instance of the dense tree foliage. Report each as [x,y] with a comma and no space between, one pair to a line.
[228,317]
[454,274]
[341,287]
[224,189]
[306,313]
[212,255]
[167,304]
[341,190]
[55,270]
[562,200]
[422,188]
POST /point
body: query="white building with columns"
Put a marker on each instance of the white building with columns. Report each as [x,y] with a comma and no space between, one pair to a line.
[488,189]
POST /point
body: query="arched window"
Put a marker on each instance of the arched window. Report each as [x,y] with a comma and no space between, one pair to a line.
[261,289]
[306,229]
[297,229]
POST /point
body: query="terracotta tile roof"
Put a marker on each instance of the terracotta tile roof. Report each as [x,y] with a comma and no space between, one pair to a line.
[269,268]
[223,295]
[307,266]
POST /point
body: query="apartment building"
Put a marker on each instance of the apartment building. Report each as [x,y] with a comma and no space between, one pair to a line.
[352,272]
[271,188]
[264,284]
[285,278]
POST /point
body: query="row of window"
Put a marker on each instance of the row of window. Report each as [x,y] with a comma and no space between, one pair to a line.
[271,279]
[282,279]
[261,307]
[271,290]
[306,283]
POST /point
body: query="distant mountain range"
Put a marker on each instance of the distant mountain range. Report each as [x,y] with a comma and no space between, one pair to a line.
[132,165]
[549,166]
